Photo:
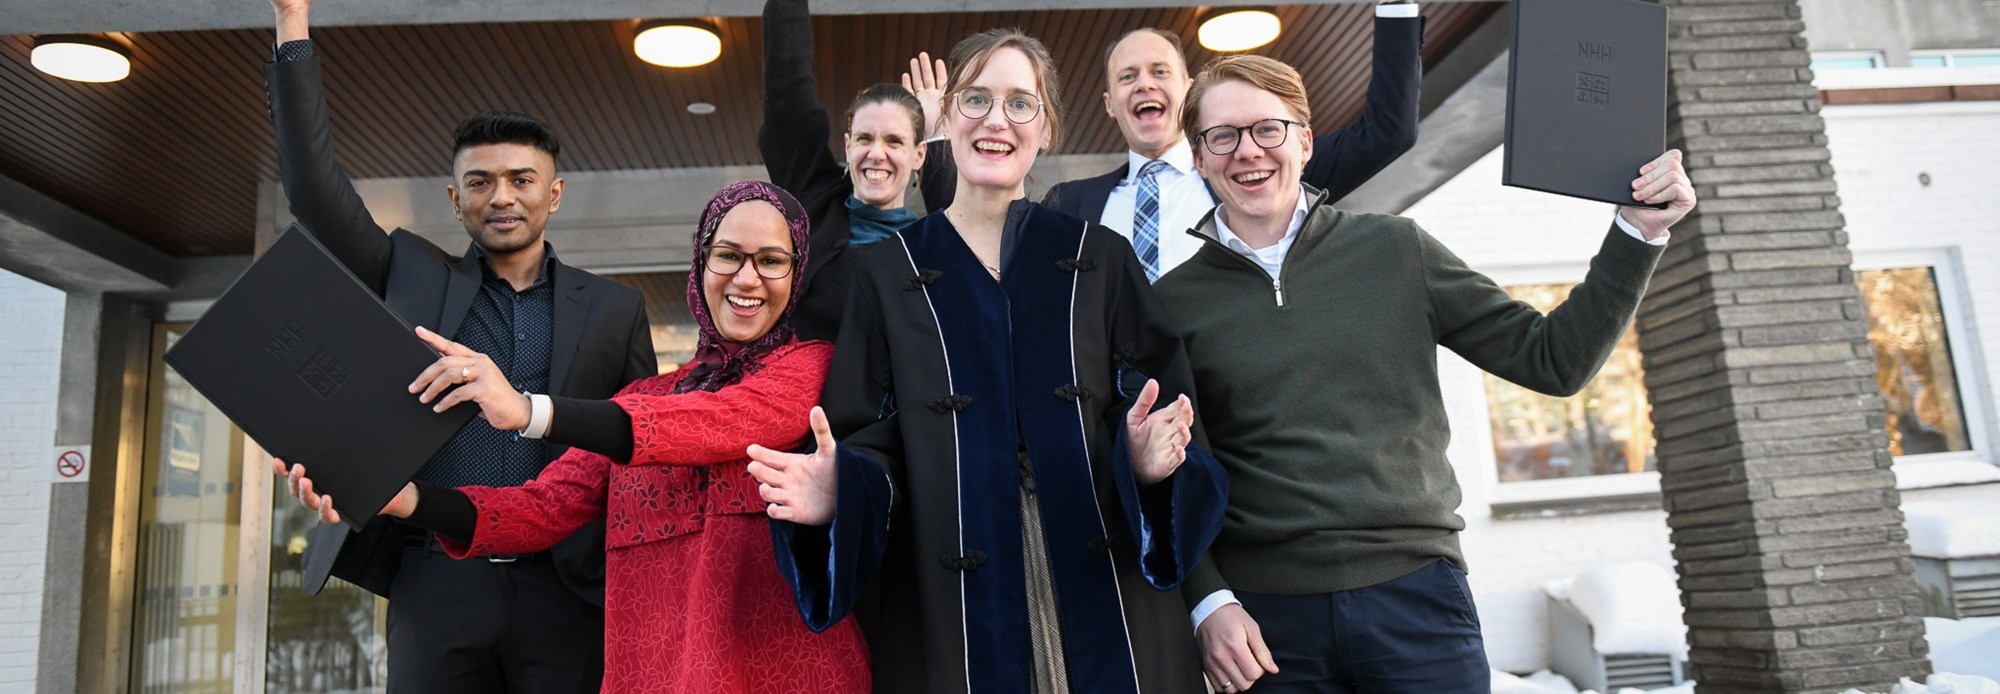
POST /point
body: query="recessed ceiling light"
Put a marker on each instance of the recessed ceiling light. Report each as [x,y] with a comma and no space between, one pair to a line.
[81,58]
[701,108]
[677,43]
[1238,28]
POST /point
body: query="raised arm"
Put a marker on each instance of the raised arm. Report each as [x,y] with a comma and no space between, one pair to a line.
[766,408]
[1559,352]
[1346,158]
[321,196]
[797,128]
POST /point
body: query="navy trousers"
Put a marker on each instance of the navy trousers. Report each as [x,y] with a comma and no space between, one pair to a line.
[1417,633]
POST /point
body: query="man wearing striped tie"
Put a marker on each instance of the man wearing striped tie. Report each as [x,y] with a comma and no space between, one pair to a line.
[1156,196]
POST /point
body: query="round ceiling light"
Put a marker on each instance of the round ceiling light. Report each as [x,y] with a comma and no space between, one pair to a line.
[81,58]
[1232,29]
[677,43]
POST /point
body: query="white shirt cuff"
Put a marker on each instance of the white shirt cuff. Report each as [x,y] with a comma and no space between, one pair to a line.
[1210,604]
[1406,11]
[1634,231]
[540,410]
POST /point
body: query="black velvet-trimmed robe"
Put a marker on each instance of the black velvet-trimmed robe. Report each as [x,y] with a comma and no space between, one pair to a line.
[952,392]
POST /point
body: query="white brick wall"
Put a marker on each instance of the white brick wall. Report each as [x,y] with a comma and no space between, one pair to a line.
[1520,237]
[33,317]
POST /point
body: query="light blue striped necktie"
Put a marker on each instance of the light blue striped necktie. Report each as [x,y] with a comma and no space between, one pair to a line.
[1146,219]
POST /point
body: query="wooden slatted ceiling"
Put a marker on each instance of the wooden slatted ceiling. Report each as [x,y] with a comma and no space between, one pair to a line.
[174,154]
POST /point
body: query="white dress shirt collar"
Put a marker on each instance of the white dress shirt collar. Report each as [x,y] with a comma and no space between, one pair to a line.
[1180,156]
[1272,257]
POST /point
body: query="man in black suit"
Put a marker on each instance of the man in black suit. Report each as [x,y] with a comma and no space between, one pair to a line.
[524,623]
[1157,196]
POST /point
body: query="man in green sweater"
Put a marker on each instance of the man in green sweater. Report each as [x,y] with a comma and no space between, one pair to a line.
[1314,333]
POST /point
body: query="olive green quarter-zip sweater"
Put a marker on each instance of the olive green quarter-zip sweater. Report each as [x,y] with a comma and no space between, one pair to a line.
[1320,390]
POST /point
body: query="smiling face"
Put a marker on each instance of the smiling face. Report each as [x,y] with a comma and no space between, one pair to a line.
[1253,182]
[504,194]
[1148,80]
[994,152]
[744,305]
[882,153]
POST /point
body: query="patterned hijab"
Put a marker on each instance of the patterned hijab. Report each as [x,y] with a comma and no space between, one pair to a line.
[717,361]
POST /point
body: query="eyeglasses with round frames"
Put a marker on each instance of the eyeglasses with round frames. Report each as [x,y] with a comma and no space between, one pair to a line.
[1268,133]
[1019,108]
[771,265]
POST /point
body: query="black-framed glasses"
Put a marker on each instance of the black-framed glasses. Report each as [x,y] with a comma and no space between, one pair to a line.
[771,265]
[1019,108]
[1268,133]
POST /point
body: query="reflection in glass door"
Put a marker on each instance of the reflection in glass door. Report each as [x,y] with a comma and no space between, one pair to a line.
[184,628]
[331,642]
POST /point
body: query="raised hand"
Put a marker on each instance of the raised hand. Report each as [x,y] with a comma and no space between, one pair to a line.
[1233,653]
[1660,180]
[928,85]
[291,19]
[301,488]
[479,380]
[1158,440]
[798,486]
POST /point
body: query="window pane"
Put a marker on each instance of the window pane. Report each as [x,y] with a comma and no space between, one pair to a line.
[1979,60]
[1913,361]
[1926,61]
[332,642]
[1605,430]
[1859,62]
[184,619]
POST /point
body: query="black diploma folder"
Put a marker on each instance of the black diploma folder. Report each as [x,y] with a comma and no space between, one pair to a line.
[314,368]
[1586,96]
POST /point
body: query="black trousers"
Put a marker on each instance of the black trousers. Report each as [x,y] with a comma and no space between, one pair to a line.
[476,626]
[1417,633]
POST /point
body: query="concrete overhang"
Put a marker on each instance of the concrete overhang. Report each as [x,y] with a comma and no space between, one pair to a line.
[51,243]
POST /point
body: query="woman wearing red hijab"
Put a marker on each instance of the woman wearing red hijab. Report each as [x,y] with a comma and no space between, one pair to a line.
[693,599]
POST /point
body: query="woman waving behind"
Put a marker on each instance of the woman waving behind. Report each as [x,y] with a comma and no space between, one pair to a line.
[854,199]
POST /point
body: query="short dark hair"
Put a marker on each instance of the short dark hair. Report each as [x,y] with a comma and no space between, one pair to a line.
[887,93]
[504,127]
[1168,34]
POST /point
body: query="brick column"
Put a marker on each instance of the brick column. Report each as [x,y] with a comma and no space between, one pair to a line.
[1794,569]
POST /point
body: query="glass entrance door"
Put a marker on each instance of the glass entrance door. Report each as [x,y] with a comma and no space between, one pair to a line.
[184,621]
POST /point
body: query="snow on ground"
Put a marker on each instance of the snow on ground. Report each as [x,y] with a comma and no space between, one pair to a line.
[1952,529]
[1962,653]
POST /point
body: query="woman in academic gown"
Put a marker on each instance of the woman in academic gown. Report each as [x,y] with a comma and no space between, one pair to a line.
[995,497]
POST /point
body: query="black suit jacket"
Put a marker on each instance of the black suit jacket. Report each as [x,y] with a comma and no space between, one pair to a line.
[601,338]
[1342,160]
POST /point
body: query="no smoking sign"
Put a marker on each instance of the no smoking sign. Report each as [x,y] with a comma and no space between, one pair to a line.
[72,463]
